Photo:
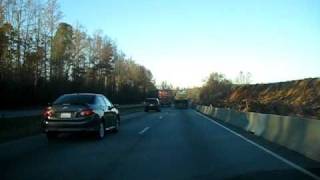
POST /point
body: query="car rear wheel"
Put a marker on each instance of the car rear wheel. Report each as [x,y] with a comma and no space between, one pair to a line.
[101,131]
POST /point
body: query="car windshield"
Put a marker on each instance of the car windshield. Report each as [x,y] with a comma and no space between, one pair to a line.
[75,99]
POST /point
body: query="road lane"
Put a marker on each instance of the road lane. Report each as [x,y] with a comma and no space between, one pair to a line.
[35,157]
[185,146]
[275,155]
[175,144]
[144,130]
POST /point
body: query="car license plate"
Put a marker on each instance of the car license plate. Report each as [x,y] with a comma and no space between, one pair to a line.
[65,115]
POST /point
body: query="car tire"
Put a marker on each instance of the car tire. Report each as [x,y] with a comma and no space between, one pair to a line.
[51,135]
[100,133]
[146,110]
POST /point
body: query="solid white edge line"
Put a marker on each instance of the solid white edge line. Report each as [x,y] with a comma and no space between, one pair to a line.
[144,130]
[295,166]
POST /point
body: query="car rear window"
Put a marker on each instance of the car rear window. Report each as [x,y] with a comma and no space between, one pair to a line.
[153,101]
[75,99]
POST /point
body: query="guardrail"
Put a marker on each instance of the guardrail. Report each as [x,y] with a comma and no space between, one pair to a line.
[125,109]
[131,106]
[298,134]
[38,111]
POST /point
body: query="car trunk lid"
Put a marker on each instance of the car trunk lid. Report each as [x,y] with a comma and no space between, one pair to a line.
[67,111]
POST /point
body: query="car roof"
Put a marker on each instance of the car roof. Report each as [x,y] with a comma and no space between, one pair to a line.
[92,94]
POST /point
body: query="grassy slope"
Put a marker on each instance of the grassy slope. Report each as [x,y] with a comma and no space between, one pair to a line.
[300,97]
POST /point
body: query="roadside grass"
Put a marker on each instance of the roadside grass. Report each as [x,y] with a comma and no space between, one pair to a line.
[15,128]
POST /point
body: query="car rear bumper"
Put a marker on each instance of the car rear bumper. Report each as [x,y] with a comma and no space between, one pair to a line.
[70,126]
[152,107]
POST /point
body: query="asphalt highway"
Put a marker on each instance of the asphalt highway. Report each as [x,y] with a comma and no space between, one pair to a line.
[172,144]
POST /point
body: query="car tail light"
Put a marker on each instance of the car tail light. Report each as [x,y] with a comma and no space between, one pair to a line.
[86,112]
[48,112]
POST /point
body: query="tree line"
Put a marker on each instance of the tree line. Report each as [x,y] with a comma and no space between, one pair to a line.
[217,89]
[42,58]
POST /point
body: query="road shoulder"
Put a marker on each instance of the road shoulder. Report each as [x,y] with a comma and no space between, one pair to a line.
[298,159]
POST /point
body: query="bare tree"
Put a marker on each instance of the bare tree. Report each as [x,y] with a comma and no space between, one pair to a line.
[52,17]
[80,44]
[165,85]
[1,12]
[216,88]
[243,78]
[40,58]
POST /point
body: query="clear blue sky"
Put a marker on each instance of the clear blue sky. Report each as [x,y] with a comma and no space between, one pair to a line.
[184,41]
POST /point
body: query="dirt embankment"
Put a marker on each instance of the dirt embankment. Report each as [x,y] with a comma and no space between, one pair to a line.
[297,98]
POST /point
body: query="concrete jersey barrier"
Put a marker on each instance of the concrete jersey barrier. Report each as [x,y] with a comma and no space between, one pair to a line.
[298,134]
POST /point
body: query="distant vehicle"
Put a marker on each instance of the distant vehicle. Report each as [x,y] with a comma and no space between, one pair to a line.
[181,104]
[181,100]
[152,104]
[80,112]
[165,97]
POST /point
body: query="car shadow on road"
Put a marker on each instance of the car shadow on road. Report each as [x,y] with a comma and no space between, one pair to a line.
[78,138]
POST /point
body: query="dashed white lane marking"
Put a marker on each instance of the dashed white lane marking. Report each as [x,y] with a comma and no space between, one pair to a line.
[295,166]
[144,130]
